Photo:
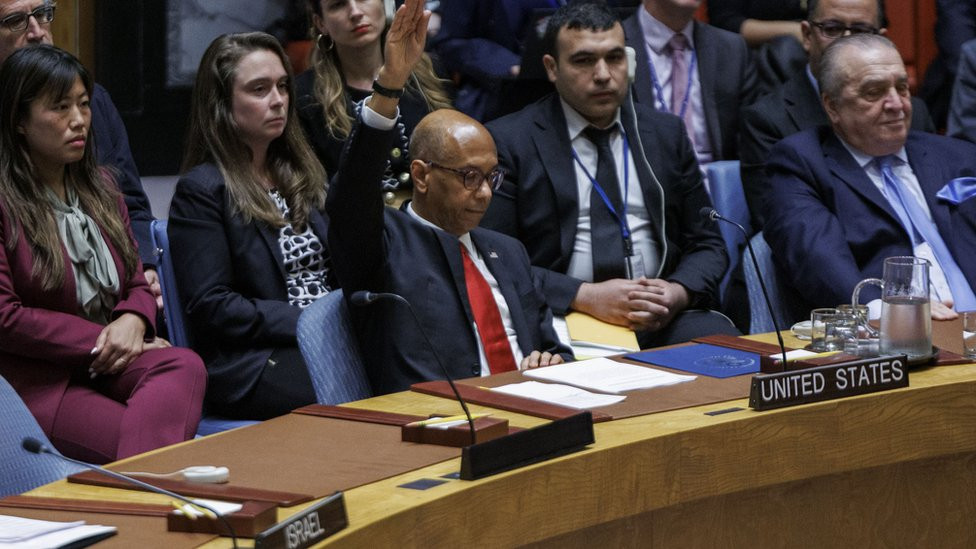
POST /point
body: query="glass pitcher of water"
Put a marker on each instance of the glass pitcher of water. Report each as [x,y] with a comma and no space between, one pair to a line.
[906,318]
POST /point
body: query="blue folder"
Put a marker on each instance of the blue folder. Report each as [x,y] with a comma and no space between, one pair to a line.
[703,359]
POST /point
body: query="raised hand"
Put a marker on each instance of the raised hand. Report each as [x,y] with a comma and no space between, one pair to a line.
[404,44]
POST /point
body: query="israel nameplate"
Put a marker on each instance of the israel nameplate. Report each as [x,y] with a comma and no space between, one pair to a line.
[306,528]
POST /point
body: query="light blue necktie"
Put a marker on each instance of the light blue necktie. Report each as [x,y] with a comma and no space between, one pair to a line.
[913,216]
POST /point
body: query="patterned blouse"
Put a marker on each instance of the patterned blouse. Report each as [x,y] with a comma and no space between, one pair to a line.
[306,261]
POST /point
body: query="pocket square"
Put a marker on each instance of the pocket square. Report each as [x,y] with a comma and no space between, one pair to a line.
[958,190]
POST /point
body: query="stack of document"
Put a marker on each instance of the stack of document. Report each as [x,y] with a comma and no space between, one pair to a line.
[606,376]
[24,533]
[589,337]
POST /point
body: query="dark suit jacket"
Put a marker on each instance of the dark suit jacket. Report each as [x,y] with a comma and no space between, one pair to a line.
[538,204]
[728,81]
[112,149]
[962,108]
[829,226]
[231,277]
[43,340]
[793,107]
[383,250]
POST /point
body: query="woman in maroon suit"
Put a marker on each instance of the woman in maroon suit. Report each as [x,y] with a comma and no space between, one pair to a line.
[77,339]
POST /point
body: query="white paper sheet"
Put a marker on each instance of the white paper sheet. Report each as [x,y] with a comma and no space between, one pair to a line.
[557,393]
[607,376]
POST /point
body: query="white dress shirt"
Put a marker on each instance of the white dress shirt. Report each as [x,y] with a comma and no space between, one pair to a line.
[638,218]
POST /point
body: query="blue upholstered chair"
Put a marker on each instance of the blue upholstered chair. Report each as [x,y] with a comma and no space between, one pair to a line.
[330,348]
[173,311]
[20,470]
[786,303]
[179,335]
[725,190]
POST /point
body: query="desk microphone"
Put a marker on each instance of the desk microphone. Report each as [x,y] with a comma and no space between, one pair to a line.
[711,214]
[35,446]
[365,298]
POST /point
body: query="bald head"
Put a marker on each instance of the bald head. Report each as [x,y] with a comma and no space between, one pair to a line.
[445,146]
[442,134]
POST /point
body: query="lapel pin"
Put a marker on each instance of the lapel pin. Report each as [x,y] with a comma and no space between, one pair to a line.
[492,254]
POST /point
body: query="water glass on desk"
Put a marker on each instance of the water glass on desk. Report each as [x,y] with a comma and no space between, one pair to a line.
[840,330]
[969,334]
[818,325]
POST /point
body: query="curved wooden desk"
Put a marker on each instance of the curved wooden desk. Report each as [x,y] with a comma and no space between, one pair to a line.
[889,469]
[886,469]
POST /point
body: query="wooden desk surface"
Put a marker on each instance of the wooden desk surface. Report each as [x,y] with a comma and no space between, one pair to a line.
[887,469]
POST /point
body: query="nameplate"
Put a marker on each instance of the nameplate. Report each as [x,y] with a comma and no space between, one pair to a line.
[829,382]
[306,528]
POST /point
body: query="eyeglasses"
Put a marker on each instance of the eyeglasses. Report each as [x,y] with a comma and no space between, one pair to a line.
[17,22]
[836,29]
[472,178]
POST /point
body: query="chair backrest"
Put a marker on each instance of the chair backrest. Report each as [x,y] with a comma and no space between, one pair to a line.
[786,303]
[725,190]
[330,348]
[172,309]
[21,470]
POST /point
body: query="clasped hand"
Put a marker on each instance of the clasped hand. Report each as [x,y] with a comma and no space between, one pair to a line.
[642,305]
[119,343]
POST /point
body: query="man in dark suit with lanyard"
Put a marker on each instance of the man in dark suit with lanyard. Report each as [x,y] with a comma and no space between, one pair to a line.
[606,199]
[701,73]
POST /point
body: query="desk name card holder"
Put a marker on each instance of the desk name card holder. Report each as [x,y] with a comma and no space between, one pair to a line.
[561,437]
[458,436]
[832,381]
[254,517]
[307,528]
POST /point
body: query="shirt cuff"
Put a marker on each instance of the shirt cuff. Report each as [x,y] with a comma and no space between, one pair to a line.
[376,120]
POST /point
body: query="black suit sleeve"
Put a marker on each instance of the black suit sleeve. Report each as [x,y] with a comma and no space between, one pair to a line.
[112,151]
[355,209]
[758,136]
[206,275]
[696,259]
[503,216]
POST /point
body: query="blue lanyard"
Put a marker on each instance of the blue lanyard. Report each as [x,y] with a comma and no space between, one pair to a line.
[660,91]
[621,219]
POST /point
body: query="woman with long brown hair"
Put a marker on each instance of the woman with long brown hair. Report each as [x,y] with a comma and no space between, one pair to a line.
[77,334]
[246,234]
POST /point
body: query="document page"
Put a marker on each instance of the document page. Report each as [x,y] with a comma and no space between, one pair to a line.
[606,376]
[557,393]
[23,533]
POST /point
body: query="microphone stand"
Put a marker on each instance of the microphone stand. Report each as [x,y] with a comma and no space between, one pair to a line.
[712,214]
[365,298]
[35,446]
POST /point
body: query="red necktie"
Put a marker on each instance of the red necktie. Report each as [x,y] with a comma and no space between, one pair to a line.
[498,351]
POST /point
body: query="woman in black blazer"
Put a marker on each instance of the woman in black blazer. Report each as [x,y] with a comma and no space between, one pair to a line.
[246,231]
